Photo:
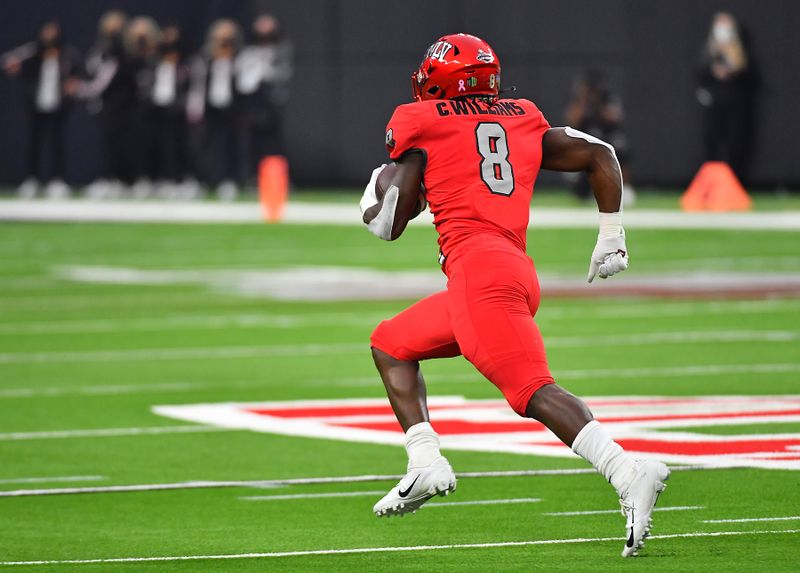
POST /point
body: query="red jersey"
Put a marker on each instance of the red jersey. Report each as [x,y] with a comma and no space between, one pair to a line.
[481,163]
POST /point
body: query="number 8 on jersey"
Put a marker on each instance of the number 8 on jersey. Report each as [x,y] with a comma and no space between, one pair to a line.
[496,171]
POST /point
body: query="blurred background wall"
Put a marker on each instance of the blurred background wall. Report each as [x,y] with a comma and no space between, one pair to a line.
[354,59]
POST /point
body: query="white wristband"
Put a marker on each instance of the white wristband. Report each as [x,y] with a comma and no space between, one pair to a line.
[610,225]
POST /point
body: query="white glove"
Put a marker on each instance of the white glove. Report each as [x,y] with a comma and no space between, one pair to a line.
[610,256]
[370,197]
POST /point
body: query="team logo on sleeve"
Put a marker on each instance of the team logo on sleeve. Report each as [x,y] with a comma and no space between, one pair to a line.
[390,143]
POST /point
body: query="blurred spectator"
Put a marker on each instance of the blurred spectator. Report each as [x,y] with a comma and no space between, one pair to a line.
[168,82]
[263,69]
[141,40]
[214,100]
[595,110]
[726,92]
[111,90]
[45,67]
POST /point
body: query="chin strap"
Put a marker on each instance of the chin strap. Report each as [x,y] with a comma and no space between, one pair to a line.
[381,225]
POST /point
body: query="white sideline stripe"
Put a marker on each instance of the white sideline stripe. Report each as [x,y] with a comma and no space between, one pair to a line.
[610,511]
[753,519]
[357,550]
[312,495]
[636,339]
[109,432]
[56,479]
[303,481]
[484,502]
[300,212]
[126,389]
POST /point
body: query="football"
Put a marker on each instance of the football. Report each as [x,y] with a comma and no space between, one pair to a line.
[385,180]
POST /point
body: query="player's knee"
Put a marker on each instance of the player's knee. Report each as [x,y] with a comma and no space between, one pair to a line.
[383,336]
[385,343]
[522,398]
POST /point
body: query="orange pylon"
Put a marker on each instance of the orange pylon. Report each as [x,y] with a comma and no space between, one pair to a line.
[273,186]
[715,188]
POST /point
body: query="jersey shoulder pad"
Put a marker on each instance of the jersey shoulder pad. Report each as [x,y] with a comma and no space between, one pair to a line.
[532,110]
[403,129]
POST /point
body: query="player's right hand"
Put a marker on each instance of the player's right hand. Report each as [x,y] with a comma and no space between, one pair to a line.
[370,197]
[610,256]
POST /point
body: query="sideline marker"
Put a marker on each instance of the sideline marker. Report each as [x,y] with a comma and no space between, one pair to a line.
[273,186]
[715,188]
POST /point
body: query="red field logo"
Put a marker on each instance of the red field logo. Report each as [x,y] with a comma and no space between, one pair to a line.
[663,428]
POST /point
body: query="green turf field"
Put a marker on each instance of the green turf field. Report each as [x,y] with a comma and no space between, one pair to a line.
[81,365]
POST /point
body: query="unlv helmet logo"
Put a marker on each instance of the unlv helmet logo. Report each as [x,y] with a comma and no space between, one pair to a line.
[652,427]
[439,50]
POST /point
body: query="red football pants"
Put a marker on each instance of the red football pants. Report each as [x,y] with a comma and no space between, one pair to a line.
[486,314]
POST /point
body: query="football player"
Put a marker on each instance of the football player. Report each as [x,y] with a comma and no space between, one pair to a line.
[477,156]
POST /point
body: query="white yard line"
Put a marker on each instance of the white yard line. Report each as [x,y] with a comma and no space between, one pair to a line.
[111,389]
[753,519]
[210,322]
[150,354]
[592,373]
[484,502]
[615,511]
[288,321]
[682,337]
[109,432]
[393,549]
[55,479]
[681,371]
[47,304]
[312,495]
[301,481]
[227,352]
[665,308]
[338,494]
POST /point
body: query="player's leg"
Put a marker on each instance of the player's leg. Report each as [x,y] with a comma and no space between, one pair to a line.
[419,332]
[563,414]
[405,388]
[637,482]
[493,322]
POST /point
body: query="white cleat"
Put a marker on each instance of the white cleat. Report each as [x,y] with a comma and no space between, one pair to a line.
[639,501]
[417,487]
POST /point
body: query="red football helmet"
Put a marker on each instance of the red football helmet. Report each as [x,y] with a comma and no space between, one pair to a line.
[457,65]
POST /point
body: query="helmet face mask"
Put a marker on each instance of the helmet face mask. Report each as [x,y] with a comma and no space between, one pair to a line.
[457,65]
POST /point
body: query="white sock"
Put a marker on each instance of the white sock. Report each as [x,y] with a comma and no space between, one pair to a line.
[422,445]
[595,446]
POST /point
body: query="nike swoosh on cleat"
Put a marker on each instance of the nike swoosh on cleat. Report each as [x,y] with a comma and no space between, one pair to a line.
[630,537]
[402,493]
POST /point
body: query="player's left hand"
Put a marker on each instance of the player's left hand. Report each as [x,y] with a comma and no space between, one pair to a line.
[610,256]
[370,197]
